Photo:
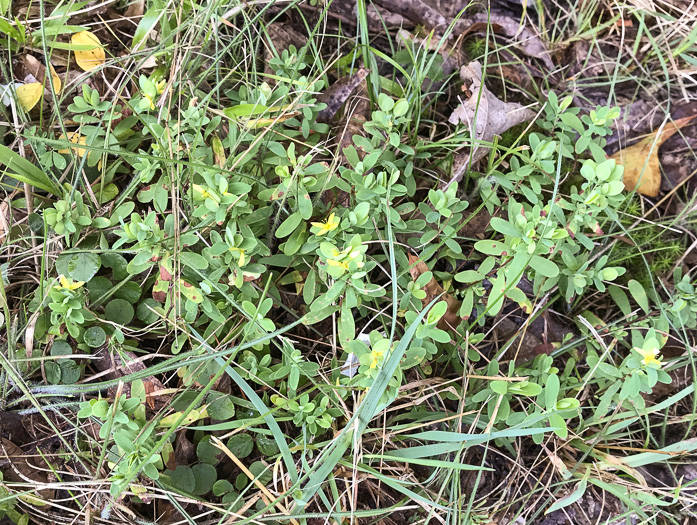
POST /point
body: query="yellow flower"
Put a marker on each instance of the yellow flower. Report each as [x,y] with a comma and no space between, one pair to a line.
[68,284]
[241,259]
[650,356]
[332,262]
[331,224]
[375,354]
[200,189]
[149,99]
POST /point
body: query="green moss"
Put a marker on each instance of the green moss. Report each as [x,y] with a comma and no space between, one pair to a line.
[648,244]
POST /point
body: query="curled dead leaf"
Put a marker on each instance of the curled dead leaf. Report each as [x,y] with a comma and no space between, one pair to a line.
[485,115]
[642,168]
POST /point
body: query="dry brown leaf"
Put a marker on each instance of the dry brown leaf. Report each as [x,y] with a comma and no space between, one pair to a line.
[5,219]
[642,169]
[135,9]
[116,365]
[336,94]
[451,319]
[419,12]
[485,115]
[17,467]
[33,66]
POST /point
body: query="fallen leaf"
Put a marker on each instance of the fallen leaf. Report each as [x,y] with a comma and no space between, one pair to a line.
[16,467]
[335,96]
[485,115]
[34,68]
[90,54]
[418,12]
[55,79]
[75,138]
[642,169]
[28,95]
[135,9]
[5,219]
[116,365]
[451,319]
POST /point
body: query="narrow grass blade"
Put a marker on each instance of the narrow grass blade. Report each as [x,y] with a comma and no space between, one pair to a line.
[25,171]
[363,416]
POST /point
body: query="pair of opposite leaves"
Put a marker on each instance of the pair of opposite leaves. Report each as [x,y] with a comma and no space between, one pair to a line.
[89,54]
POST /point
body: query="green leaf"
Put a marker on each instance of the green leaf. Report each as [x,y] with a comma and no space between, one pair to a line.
[551,391]
[204,478]
[145,311]
[53,372]
[267,446]
[496,296]
[78,266]
[145,26]
[304,203]
[245,110]
[221,487]
[620,299]
[572,498]
[572,121]
[25,171]
[261,472]
[639,294]
[194,260]
[221,407]
[468,276]
[119,311]
[70,372]
[241,445]
[288,226]
[129,291]
[488,247]
[505,227]
[181,478]
[544,266]
[95,336]
[500,387]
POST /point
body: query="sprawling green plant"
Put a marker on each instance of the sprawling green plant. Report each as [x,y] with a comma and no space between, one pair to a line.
[217,232]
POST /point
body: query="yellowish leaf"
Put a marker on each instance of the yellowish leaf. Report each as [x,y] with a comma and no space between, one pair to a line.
[28,95]
[75,138]
[55,79]
[642,169]
[90,54]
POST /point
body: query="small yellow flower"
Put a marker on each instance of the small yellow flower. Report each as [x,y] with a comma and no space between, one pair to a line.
[149,99]
[242,258]
[332,262]
[375,355]
[161,86]
[68,284]
[331,224]
[650,356]
[200,189]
